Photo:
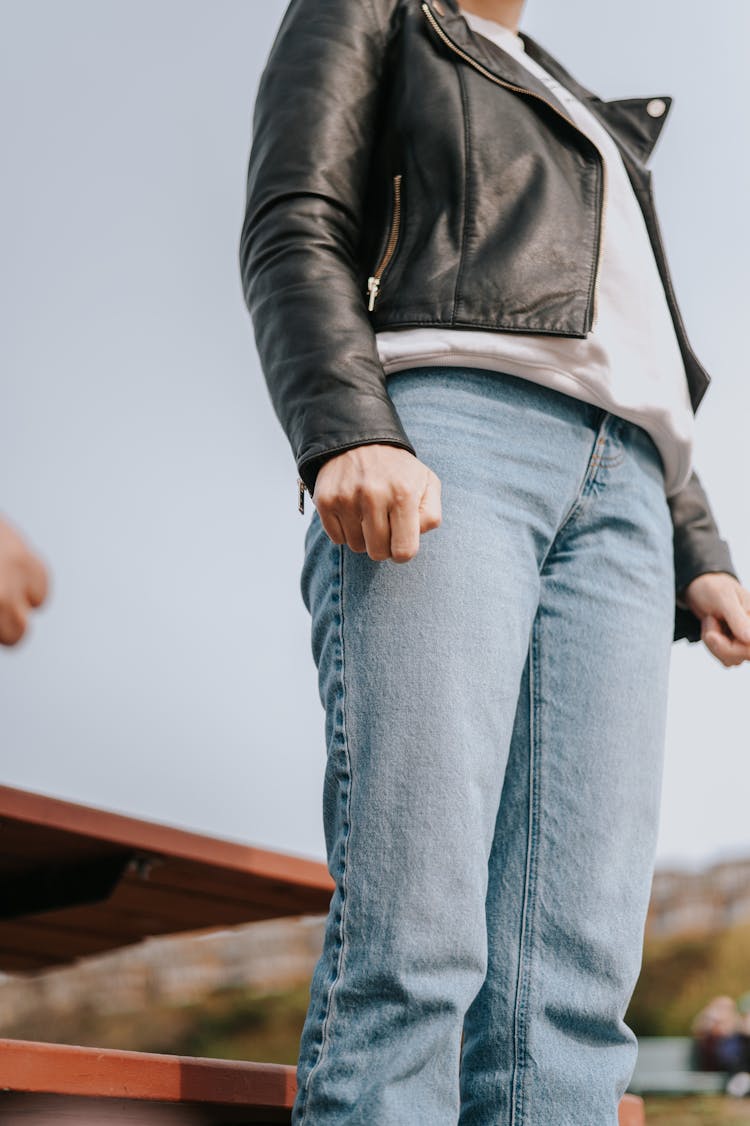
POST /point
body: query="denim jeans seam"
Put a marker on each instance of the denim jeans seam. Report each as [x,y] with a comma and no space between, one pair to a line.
[605,422]
[342,733]
[608,461]
[520,1024]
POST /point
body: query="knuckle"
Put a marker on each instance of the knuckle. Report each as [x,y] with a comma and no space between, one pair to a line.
[341,499]
[333,499]
[373,495]
[402,495]
[323,501]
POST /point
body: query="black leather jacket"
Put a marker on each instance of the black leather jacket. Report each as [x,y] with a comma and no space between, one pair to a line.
[406,171]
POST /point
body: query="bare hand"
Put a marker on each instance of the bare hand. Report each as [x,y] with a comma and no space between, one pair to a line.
[379,499]
[723,606]
[23,584]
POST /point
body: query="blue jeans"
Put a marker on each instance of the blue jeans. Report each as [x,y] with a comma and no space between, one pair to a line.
[495,712]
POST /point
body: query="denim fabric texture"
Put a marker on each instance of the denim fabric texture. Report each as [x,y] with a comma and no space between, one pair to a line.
[495,713]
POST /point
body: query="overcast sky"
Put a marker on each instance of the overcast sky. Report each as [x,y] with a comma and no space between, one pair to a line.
[171,674]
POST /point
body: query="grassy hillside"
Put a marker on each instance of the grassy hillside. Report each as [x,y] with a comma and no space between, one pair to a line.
[680,975]
[698,1111]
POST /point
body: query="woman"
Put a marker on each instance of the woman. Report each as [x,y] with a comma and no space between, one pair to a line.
[467,327]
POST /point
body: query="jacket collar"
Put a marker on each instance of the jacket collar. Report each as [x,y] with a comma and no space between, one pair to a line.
[636,123]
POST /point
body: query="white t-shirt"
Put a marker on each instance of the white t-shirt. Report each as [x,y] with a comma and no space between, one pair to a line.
[630,362]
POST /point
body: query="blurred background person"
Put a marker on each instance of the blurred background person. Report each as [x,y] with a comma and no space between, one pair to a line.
[24,584]
[718,1037]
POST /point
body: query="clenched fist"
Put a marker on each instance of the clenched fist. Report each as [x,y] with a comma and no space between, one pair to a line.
[723,606]
[23,584]
[379,499]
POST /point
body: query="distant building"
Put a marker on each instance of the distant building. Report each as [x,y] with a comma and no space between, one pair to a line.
[684,902]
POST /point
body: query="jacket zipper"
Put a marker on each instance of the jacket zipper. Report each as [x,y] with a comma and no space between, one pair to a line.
[532,94]
[373,282]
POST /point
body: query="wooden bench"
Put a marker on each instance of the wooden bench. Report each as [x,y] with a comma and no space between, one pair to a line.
[76,881]
[41,1081]
[665,1066]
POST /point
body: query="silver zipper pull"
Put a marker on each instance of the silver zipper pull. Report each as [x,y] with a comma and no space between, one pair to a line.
[301,486]
[373,284]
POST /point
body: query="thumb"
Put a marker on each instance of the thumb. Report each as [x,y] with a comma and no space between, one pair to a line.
[737,618]
[430,505]
[711,628]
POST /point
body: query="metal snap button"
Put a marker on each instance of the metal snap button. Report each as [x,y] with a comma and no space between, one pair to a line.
[656,107]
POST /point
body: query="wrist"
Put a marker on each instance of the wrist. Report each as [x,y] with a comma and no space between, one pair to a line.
[684,595]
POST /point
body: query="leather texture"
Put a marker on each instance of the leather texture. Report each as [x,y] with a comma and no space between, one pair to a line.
[387,133]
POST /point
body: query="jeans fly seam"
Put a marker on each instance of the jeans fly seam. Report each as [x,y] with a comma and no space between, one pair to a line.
[612,459]
[606,423]
[324,1035]
[520,1008]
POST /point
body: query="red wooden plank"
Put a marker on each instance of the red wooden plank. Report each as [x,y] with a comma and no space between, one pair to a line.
[145,836]
[27,1066]
[49,942]
[177,881]
[12,962]
[139,909]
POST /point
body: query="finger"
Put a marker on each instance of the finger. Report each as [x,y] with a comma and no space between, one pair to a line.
[332,526]
[430,509]
[737,617]
[727,650]
[351,522]
[376,529]
[37,583]
[405,529]
[12,625]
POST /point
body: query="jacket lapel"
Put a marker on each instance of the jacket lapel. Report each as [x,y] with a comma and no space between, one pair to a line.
[636,123]
[493,58]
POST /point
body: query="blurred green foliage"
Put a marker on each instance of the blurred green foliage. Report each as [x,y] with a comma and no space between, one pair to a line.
[680,975]
[702,1110]
[228,1024]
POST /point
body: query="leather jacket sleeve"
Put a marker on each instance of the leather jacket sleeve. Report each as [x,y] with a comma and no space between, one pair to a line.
[698,548]
[314,120]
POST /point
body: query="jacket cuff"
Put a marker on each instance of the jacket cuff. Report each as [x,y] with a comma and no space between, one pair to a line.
[686,625]
[696,560]
[698,549]
[310,465]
